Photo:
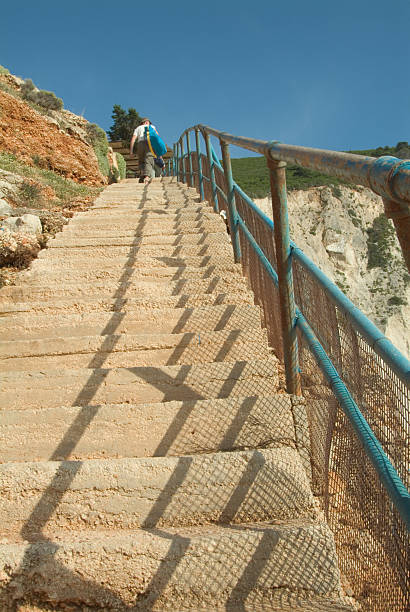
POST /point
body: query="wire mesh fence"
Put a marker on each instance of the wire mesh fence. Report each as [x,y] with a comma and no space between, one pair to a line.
[371,538]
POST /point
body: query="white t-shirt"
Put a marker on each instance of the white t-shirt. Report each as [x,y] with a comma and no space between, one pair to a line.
[139,132]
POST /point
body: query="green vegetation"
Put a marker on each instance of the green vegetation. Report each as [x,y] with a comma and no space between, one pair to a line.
[30,194]
[396,301]
[121,165]
[252,176]
[45,99]
[401,150]
[124,123]
[98,140]
[66,190]
[380,241]
[4,70]
[353,216]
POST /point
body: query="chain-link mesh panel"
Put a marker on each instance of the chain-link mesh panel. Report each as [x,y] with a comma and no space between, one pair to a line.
[371,538]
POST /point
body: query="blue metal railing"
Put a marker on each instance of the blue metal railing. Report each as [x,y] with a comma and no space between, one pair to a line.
[370,353]
[387,176]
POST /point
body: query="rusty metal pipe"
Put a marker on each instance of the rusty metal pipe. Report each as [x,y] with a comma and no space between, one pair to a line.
[388,176]
[277,175]
[233,221]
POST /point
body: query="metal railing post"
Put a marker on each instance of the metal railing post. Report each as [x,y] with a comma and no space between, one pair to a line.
[211,171]
[200,176]
[181,146]
[277,175]
[174,161]
[188,148]
[233,221]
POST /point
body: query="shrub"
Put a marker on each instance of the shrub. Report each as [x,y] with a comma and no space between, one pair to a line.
[98,140]
[48,100]
[4,70]
[379,242]
[45,99]
[396,301]
[122,166]
[336,191]
[30,193]
[28,90]
[113,176]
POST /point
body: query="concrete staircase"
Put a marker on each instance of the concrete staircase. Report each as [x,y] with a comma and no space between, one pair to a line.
[148,460]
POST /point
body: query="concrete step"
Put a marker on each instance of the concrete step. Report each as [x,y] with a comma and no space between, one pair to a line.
[218,250]
[163,321]
[140,261]
[128,287]
[155,201]
[134,215]
[137,215]
[221,488]
[175,239]
[147,430]
[78,387]
[133,227]
[56,275]
[108,303]
[191,568]
[127,350]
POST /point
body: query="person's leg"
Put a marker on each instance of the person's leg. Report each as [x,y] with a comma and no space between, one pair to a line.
[149,165]
[141,150]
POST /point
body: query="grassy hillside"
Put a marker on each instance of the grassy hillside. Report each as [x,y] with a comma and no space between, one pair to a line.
[251,173]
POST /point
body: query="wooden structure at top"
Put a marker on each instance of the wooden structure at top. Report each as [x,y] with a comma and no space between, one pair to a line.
[131,161]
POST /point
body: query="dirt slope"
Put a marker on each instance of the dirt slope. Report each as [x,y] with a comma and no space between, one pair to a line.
[26,133]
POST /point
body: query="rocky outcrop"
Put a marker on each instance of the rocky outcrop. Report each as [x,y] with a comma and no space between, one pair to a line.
[344,232]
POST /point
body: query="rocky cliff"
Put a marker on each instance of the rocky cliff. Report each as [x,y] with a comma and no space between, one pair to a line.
[48,167]
[346,234]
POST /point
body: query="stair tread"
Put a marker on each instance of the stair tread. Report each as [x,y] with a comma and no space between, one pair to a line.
[148,459]
[117,304]
[129,285]
[191,567]
[159,429]
[168,320]
[136,384]
[231,487]
[122,350]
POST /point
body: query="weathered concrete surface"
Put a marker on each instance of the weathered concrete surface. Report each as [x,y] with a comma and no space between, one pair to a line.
[121,262]
[112,273]
[132,484]
[176,569]
[244,487]
[132,286]
[169,428]
[120,350]
[175,239]
[48,388]
[171,320]
[173,249]
[108,303]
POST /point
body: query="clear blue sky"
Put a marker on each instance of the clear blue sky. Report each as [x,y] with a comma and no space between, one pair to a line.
[317,73]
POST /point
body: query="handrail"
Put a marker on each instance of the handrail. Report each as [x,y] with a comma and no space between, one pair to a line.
[378,341]
[387,473]
[387,176]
